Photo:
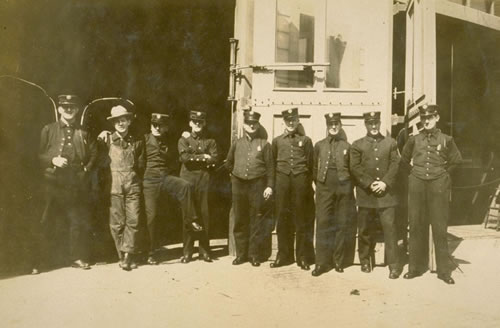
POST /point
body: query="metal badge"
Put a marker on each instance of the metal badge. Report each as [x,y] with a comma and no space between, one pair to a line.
[259,148]
[439,147]
[300,143]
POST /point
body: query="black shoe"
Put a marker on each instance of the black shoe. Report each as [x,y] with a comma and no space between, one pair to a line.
[125,262]
[319,270]
[303,265]
[151,260]
[206,258]
[196,227]
[366,268]
[411,275]
[339,268]
[255,262]
[447,279]
[133,265]
[394,274]
[239,260]
[279,262]
[186,259]
[79,264]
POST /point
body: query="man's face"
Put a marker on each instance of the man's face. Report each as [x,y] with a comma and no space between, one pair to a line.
[122,124]
[334,128]
[68,111]
[429,121]
[292,124]
[373,127]
[158,129]
[197,125]
[251,126]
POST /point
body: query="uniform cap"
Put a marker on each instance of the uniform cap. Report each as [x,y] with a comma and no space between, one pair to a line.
[159,118]
[371,116]
[195,115]
[332,117]
[290,113]
[428,110]
[251,116]
[68,100]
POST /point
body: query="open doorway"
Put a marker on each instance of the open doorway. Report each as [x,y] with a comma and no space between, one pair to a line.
[468,80]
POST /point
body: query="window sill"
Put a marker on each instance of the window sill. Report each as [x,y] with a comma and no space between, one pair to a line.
[295,89]
[345,90]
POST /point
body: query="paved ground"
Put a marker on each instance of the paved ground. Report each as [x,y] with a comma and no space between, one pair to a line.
[221,295]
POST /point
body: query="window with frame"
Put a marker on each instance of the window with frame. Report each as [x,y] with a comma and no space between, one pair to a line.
[342,44]
[295,21]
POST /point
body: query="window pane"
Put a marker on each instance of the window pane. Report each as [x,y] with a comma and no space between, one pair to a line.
[295,41]
[482,5]
[343,50]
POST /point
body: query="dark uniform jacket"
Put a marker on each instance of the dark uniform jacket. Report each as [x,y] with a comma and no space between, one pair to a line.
[52,142]
[323,154]
[293,153]
[249,159]
[192,150]
[374,159]
[434,154]
[159,160]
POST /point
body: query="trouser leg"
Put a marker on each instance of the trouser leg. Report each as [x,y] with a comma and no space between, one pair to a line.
[117,220]
[79,225]
[202,198]
[132,212]
[387,219]
[299,196]
[256,206]
[419,226]
[366,240]
[284,227]
[325,219]
[241,216]
[182,191]
[438,204]
[151,198]
[345,210]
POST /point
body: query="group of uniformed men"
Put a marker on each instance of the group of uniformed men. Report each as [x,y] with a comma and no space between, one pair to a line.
[287,167]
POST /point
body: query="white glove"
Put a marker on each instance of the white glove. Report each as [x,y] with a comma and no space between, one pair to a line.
[60,161]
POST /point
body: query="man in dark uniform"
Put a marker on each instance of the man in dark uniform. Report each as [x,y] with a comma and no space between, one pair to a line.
[431,156]
[158,183]
[198,155]
[335,208]
[250,162]
[293,157]
[67,155]
[374,163]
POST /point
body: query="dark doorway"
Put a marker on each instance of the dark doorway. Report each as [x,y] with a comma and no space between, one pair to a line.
[468,81]
[165,56]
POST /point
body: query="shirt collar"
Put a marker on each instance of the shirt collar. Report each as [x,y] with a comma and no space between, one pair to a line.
[196,135]
[63,123]
[432,132]
[332,138]
[377,137]
[116,136]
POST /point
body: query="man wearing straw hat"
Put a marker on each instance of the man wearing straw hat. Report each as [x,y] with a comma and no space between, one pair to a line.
[125,158]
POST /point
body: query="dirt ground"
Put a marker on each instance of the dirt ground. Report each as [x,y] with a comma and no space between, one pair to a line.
[218,294]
